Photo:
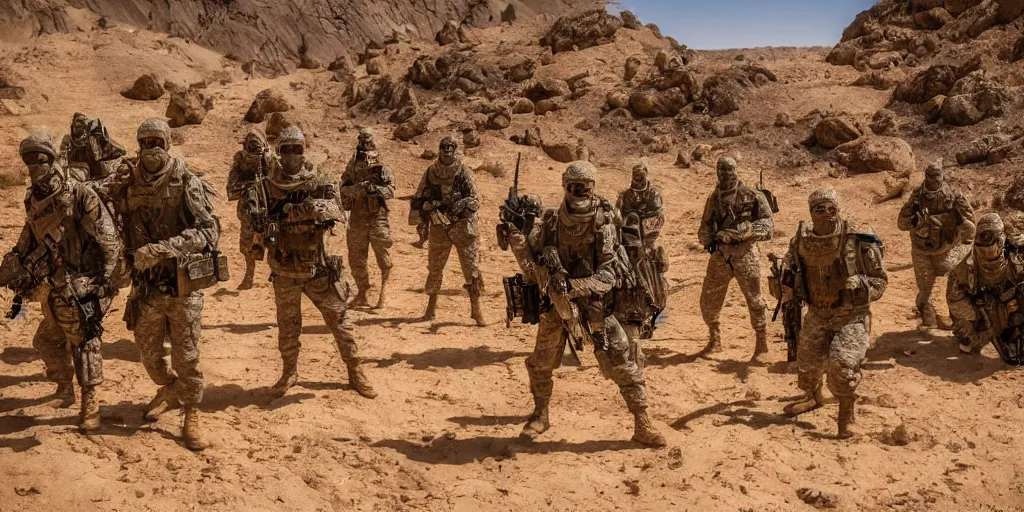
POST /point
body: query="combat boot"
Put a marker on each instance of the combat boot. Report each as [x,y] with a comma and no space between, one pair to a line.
[538,422]
[64,397]
[165,400]
[357,379]
[944,322]
[431,311]
[846,416]
[90,416]
[714,341]
[475,311]
[812,401]
[928,317]
[761,348]
[289,377]
[250,275]
[191,433]
[644,431]
[382,299]
[360,300]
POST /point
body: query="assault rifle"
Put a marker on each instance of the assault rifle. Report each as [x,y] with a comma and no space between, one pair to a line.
[790,306]
[556,278]
[514,212]
[23,274]
[267,226]
[90,315]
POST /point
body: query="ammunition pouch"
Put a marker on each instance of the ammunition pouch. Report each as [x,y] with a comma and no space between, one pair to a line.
[522,299]
[197,272]
[88,362]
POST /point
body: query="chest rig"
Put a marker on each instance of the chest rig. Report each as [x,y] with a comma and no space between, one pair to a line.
[828,261]
[733,209]
[939,228]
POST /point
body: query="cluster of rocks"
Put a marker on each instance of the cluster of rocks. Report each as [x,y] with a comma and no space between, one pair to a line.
[959,95]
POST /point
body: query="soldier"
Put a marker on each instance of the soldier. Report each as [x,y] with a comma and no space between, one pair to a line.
[305,203]
[89,151]
[366,186]
[736,217]
[447,193]
[169,221]
[838,273]
[70,242]
[982,291]
[253,159]
[579,238]
[643,216]
[941,225]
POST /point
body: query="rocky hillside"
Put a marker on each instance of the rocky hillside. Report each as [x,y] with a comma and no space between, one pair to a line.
[278,34]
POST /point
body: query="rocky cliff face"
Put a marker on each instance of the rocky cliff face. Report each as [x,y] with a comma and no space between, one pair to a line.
[273,31]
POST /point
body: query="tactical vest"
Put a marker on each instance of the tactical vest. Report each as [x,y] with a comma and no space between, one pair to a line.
[579,247]
[301,249]
[827,262]
[449,193]
[54,224]
[369,204]
[742,207]
[927,237]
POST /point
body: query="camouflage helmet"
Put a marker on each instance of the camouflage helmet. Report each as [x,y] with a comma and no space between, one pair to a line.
[255,135]
[365,135]
[37,143]
[155,128]
[641,166]
[291,136]
[934,168]
[579,172]
[726,163]
[532,203]
[448,140]
[990,228]
[80,127]
[823,195]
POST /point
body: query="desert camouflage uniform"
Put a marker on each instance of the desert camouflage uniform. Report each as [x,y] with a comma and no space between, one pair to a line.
[743,213]
[586,244]
[366,187]
[246,166]
[308,208]
[842,274]
[168,215]
[75,234]
[89,152]
[984,289]
[941,225]
[450,190]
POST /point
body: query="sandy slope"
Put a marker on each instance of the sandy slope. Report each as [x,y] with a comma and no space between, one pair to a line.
[442,434]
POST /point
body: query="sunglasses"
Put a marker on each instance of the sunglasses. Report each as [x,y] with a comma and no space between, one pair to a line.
[825,209]
[579,189]
[36,158]
[448,147]
[152,142]
[292,150]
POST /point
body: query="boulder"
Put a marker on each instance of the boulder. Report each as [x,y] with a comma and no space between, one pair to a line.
[667,61]
[884,122]
[523,106]
[187,107]
[933,108]
[617,98]
[342,63]
[722,95]
[730,129]
[546,89]
[307,61]
[880,80]
[450,33]
[509,14]
[411,129]
[266,102]
[499,120]
[648,104]
[425,73]
[973,99]
[373,67]
[882,60]
[984,149]
[146,88]
[844,54]
[873,154]
[523,71]
[682,78]
[936,80]
[633,67]
[1009,10]
[630,20]
[580,31]
[544,106]
[932,19]
[467,86]
[784,120]
[683,160]
[563,152]
[470,139]
[832,132]
[701,151]
[277,122]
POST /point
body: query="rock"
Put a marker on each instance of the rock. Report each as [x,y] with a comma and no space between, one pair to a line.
[894,188]
[9,88]
[655,29]
[428,154]
[617,98]
[523,106]
[342,63]
[932,19]
[722,95]
[187,107]
[355,93]
[373,67]
[581,31]
[936,80]
[146,88]
[467,86]
[730,129]
[530,138]
[544,106]
[307,61]
[682,78]
[657,104]
[425,73]
[973,99]
[1014,196]
[933,108]
[499,120]
[450,33]
[871,154]
[630,20]
[522,71]
[1009,10]
[633,67]
[660,144]
[546,89]
[879,80]
[898,436]
[266,102]
[667,61]
[411,129]
[818,499]
[883,60]
[784,120]
[470,139]
[509,14]
[832,132]
[884,123]
[561,152]
[843,54]
[981,19]
[586,124]
[991,148]
[701,151]
[683,160]
[276,122]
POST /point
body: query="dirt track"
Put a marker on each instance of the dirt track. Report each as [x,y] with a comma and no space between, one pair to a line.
[453,397]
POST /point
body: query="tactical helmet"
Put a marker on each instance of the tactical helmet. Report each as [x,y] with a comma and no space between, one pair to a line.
[256,135]
[727,163]
[291,136]
[641,166]
[823,195]
[991,224]
[155,128]
[934,168]
[37,143]
[365,135]
[448,140]
[579,172]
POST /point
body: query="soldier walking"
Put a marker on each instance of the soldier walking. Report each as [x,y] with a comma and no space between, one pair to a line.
[70,247]
[252,160]
[89,152]
[643,216]
[941,226]
[736,217]
[366,187]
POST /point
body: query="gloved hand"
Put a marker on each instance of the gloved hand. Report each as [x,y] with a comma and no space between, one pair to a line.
[429,206]
[724,237]
[458,207]
[150,255]
[853,283]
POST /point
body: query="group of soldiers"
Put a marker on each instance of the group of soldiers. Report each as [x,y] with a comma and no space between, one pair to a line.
[592,272]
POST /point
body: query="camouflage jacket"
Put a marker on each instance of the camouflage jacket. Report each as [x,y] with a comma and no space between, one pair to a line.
[366,190]
[747,210]
[937,220]
[308,208]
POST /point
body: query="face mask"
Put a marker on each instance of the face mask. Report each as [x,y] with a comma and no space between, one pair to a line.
[727,180]
[639,180]
[825,218]
[933,183]
[38,173]
[292,164]
[579,197]
[153,159]
[447,158]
